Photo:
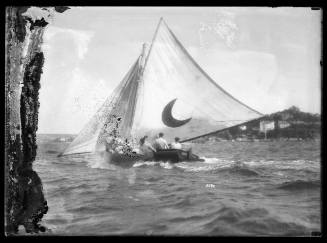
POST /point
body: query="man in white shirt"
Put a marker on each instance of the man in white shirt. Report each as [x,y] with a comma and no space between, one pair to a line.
[176,144]
[146,149]
[160,143]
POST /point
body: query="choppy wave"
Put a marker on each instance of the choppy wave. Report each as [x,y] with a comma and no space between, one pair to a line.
[233,220]
[300,185]
[257,221]
[240,170]
[215,165]
[240,189]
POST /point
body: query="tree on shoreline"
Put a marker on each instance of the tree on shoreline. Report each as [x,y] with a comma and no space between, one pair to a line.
[297,124]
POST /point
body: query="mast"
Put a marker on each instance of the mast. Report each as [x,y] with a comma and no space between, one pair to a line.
[152,42]
[143,57]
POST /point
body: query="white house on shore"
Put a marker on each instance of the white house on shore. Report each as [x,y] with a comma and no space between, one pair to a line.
[266,126]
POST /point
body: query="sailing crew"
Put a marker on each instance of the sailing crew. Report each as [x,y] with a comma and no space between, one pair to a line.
[146,149]
[176,144]
[109,144]
[160,143]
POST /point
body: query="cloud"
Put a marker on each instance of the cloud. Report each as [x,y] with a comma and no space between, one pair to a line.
[222,25]
[279,11]
[249,76]
[67,109]
[85,95]
[80,38]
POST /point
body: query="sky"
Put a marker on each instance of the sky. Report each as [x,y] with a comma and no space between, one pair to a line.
[268,58]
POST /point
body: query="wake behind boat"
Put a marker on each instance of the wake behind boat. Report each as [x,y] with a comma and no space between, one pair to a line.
[164,91]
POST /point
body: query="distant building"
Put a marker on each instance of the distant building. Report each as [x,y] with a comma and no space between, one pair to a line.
[299,122]
[283,124]
[266,126]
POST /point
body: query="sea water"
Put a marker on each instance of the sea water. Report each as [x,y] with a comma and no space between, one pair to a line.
[242,189]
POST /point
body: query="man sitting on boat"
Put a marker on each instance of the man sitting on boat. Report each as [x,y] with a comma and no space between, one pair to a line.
[160,143]
[146,149]
[176,144]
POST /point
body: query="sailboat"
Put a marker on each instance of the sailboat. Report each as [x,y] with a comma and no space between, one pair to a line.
[166,91]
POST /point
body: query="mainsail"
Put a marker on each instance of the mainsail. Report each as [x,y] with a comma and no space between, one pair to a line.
[165,91]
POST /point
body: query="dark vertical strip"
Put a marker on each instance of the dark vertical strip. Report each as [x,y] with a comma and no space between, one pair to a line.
[15,36]
[30,106]
[25,202]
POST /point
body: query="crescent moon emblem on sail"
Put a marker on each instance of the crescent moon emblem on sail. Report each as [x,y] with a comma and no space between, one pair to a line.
[168,119]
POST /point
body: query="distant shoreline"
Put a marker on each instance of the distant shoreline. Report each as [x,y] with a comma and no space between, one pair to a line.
[65,137]
[262,139]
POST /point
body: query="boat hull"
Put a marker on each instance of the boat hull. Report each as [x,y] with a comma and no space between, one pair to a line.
[167,155]
[175,156]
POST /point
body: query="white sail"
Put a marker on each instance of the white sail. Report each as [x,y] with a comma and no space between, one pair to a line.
[115,115]
[168,93]
[170,73]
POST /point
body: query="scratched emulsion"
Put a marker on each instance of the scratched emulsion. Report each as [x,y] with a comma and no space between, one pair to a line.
[24,200]
[243,188]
